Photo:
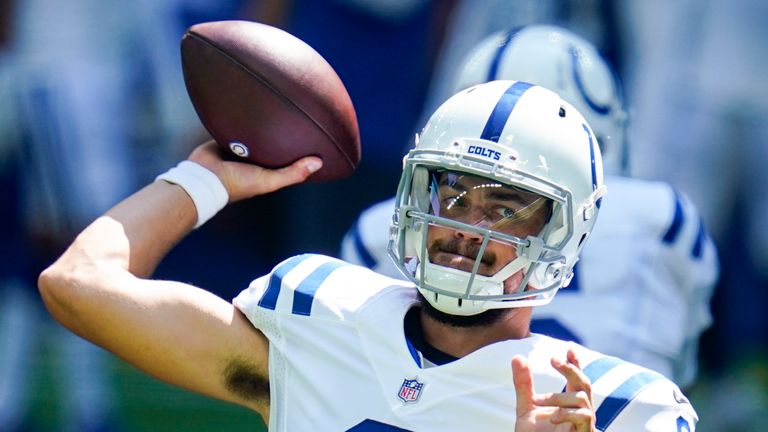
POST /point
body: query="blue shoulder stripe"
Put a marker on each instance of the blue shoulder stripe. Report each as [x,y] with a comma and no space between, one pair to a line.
[362,251]
[600,367]
[620,398]
[269,299]
[369,425]
[615,403]
[305,292]
[500,114]
[677,222]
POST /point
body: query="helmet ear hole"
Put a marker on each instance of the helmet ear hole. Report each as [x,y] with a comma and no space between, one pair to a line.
[562,112]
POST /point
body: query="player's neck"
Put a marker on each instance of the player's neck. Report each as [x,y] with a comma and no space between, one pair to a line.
[461,341]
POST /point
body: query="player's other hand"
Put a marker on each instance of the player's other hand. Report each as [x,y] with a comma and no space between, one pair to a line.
[244,180]
[570,411]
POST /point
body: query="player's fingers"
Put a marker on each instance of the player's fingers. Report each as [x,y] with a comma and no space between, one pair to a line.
[582,419]
[575,377]
[244,180]
[262,180]
[573,358]
[579,399]
[521,375]
[298,171]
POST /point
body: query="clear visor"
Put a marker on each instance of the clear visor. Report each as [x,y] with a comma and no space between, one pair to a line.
[483,209]
[489,204]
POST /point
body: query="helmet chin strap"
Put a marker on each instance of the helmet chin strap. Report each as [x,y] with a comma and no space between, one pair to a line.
[453,282]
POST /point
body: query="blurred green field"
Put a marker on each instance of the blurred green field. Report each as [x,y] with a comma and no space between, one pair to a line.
[143,403]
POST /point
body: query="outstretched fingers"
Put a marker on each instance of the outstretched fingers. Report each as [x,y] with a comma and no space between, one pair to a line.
[576,380]
[571,409]
[576,401]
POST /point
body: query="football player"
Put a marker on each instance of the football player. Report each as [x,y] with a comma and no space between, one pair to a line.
[495,203]
[650,267]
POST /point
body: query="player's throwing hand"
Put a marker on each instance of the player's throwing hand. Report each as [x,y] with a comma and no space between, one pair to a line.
[243,180]
[570,411]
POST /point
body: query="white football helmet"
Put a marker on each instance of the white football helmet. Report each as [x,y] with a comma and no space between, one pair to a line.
[557,59]
[516,136]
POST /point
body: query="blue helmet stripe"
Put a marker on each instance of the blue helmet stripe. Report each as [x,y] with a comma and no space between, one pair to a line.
[677,222]
[493,71]
[615,403]
[269,298]
[501,112]
[600,109]
[305,292]
[592,161]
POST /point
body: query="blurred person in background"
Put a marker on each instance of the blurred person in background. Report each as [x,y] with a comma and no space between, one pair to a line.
[695,78]
[97,89]
[83,85]
[650,267]
[469,22]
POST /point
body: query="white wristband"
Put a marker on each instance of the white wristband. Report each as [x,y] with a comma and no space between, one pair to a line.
[203,186]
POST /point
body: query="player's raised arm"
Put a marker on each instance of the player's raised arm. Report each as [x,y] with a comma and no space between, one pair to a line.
[178,333]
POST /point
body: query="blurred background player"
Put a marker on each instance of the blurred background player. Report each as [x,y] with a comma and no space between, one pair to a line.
[694,78]
[85,88]
[641,290]
[93,90]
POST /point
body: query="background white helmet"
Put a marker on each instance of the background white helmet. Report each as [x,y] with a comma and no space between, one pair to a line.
[557,59]
[519,135]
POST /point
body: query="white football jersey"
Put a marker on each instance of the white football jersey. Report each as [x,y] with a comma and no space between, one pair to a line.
[340,360]
[647,271]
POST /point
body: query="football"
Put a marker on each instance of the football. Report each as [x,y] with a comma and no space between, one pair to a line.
[269,98]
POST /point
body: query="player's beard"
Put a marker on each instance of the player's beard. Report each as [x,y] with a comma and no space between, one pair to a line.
[483,319]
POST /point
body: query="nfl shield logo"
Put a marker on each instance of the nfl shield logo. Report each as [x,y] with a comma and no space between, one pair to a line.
[410,390]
